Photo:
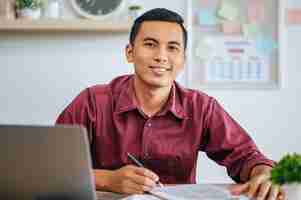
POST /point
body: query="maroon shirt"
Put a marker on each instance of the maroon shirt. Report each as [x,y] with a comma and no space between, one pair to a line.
[168,142]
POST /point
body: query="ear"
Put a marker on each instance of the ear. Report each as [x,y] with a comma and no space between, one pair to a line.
[129,53]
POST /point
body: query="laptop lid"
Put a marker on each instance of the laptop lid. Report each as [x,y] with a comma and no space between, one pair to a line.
[45,162]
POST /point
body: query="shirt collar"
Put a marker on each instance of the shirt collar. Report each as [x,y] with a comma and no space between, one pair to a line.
[174,104]
[127,101]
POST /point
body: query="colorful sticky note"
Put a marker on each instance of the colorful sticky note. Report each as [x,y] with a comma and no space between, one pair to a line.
[207,17]
[205,3]
[229,10]
[294,3]
[231,27]
[294,16]
[255,11]
[265,45]
[251,30]
[208,3]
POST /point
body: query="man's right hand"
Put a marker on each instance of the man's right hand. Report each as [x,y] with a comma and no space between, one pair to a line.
[127,180]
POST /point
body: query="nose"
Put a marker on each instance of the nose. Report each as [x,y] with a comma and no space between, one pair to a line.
[161,55]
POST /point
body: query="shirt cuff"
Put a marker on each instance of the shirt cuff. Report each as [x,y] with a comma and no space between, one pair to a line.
[247,169]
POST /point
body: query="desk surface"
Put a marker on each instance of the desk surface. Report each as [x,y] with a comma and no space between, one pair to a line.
[109,196]
[114,196]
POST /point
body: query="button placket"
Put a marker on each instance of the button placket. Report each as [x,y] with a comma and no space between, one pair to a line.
[146,131]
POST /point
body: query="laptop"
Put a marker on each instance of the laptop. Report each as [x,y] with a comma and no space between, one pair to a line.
[45,163]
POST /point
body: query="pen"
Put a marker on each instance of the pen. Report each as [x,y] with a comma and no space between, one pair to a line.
[130,156]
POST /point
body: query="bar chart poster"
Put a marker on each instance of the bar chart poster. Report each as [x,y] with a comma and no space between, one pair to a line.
[235,44]
[236,60]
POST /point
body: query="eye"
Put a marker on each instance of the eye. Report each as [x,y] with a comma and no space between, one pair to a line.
[149,44]
[174,48]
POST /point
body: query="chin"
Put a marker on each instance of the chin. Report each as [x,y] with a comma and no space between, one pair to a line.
[156,82]
[160,84]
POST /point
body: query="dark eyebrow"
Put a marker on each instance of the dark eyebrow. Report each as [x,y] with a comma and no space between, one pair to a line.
[149,38]
[156,41]
[175,43]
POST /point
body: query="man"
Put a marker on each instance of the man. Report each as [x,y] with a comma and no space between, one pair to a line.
[162,124]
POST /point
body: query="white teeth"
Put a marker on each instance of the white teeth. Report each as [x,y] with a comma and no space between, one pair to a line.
[161,70]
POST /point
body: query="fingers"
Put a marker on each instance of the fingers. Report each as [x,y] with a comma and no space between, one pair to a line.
[274,191]
[146,172]
[140,179]
[261,188]
[131,187]
[144,177]
[255,185]
[264,190]
[239,188]
[281,195]
[131,180]
[143,181]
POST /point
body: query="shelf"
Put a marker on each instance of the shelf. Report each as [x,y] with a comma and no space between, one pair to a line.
[77,25]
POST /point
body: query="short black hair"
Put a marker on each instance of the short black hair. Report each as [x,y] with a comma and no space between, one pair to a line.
[158,14]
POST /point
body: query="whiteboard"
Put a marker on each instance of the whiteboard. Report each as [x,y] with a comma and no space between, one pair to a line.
[234,44]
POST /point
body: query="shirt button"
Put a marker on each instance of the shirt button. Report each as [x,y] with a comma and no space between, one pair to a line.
[146,155]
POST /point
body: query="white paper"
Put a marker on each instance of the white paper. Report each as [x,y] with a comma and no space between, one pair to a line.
[193,192]
[188,192]
[140,197]
[236,60]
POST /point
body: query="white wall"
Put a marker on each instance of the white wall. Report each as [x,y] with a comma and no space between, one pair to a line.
[41,73]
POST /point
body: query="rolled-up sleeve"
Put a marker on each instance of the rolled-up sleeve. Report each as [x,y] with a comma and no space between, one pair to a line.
[228,144]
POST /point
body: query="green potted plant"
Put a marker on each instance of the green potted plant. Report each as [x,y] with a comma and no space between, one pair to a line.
[134,11]
[30,9]
[288,173]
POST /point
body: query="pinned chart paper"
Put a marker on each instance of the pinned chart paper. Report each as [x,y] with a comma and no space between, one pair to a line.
[205,2]
[235,42]
[255,11]
[208,3]
[294,3]
[236,60]
[294,16]
[207,17]
[231,27]
[251,30]
[266,45]
[229,10]
[203,50]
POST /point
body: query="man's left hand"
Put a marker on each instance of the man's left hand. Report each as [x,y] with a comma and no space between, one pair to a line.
[259,186]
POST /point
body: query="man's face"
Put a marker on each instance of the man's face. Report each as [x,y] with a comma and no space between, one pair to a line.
[157,53]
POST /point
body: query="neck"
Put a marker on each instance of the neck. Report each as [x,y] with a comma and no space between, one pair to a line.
[150,99]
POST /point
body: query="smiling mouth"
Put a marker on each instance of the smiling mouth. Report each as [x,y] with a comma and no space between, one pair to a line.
[159,69]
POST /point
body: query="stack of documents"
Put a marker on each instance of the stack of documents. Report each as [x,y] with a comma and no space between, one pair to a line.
[188,192]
